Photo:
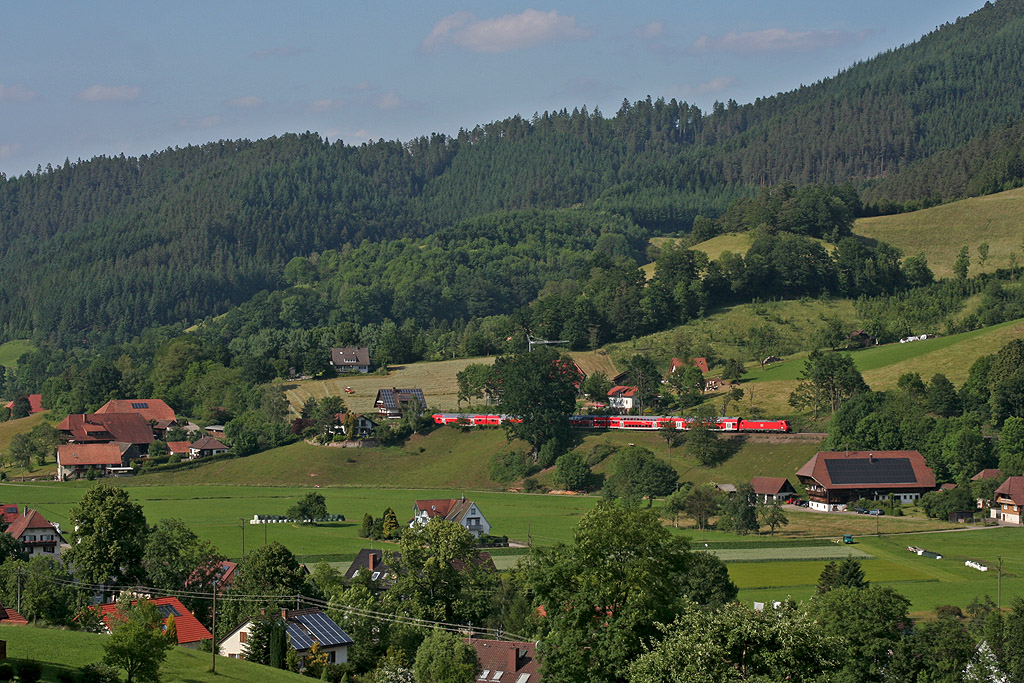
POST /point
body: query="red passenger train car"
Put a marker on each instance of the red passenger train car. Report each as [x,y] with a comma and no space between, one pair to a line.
[632,422]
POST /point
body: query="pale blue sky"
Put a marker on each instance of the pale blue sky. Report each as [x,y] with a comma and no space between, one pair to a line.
[81,79]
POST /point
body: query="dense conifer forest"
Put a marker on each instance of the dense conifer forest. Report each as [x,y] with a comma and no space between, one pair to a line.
[183,234]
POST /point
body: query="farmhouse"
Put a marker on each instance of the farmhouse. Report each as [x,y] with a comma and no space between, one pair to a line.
[504,661]
[370,561]
[350,359]
[106,428]
[35,404]
[36,535]
[362,426]
[459,510]
[622,397]
[151,409]
[700,362]
[76,460]
[770,489]
[1009,500]
[304,626]
[391,403]
[205,447]
[190,632]
[833,479]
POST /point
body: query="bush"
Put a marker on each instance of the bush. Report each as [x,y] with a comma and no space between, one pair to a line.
[29,671]
[6,672]
[531,485]
[174,459]
[599,453]
[510,465]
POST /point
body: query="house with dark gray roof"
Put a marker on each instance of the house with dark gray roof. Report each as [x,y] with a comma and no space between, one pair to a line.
[391,403]
[350,359]
[833,479]
[304,627]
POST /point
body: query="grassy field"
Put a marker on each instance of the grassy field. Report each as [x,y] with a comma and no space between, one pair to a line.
[594,361]
[64,651]
[783,554]
[941,231]
[926,582]
[882,365]
[437,380]
[11,351]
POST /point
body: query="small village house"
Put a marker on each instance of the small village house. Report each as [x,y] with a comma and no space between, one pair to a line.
[370,561]
[504,661]
[205,447]
[622,397]
[107,428]
[35,404]
[771,489]
[362,426]
[304,627]
[458,510]
[833,479]
[76,460]
[1009,500]
[190,631]
[391,403]
[36,534]
[351,359]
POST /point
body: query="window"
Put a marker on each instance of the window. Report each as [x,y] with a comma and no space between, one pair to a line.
[523,678]
[483,675]
[497,675]
[242,636]
[376,575]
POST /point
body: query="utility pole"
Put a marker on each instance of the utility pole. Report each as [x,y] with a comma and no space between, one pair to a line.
[213,642]
[999,584]
[265,525]
[19,588]
[243,538]
[529,534]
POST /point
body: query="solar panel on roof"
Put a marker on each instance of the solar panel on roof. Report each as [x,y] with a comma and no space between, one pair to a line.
[865,471]
[168,610]
[323,629]
[298,636]
[140,406]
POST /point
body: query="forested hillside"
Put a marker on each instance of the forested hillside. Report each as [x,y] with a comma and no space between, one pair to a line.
[100,250]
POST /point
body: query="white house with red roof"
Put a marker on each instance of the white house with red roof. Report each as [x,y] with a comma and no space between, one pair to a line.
[769,489]
[178,448]
[205,447]
[75,460]
[37,535]
[834,478]
[622,397]
[1009,501]
[190,631]
[458,510]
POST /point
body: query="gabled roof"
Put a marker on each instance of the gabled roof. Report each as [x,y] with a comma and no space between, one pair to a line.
[990,473]
[771,486]
[35,404]
[1012,488]
[208,443]
[8,617]
[148,408]
[869,469]
[451,509]
[188,627]
[392,398]
[362,562]
[71,454]
[179,447]
[305,626]
[30,520]
[354,356]
[700,362]
[622,392]
[504,661]
[8,512]
[98,428]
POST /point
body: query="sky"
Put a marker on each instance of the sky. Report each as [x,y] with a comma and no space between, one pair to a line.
[80,79]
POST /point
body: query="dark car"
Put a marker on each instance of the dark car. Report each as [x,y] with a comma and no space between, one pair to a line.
[877,513]
[860,511]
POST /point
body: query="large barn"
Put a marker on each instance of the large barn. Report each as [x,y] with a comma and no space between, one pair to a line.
[833,479]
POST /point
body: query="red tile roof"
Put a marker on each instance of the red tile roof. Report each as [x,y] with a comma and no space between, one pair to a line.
[30,520]
[623,391]
[700,362]
[99,428]
[990,473]
[512,659]
[870,464]
[71,454]
[8,617]
[1012,488]
[35,404]
[188,627]
[8,513]
[148,408]
[208,443]
[433,508]
[768,485]
[179,447]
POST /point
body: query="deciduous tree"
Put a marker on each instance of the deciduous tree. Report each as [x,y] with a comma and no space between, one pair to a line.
[136,643]
[442,657]
[108,538]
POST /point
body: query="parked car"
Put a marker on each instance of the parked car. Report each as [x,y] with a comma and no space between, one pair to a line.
[877,513]
[860,511]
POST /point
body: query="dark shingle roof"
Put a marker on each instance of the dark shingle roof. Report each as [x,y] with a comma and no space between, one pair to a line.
[860,469]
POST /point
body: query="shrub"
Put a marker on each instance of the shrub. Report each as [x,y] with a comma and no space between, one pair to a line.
[29,671]
[6,672]
[509,465]
[531,485]
[599,453]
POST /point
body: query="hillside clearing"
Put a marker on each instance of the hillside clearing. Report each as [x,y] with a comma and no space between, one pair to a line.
[11,351]
[940,232]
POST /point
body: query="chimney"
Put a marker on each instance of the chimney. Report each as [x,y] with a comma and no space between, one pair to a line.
[372,561]
[871,457]
[284,613]
[513,659]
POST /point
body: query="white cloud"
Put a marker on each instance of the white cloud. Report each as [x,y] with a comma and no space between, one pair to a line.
[109,93]
[286,51]
[248,101]
[510,32]
[774,40]
[390,100]
[362,134]
[16,93]
[715,85]
[209,121]
[324,105]
[650,31]
[9,150]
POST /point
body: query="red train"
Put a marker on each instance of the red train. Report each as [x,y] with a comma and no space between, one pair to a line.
[637,422]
